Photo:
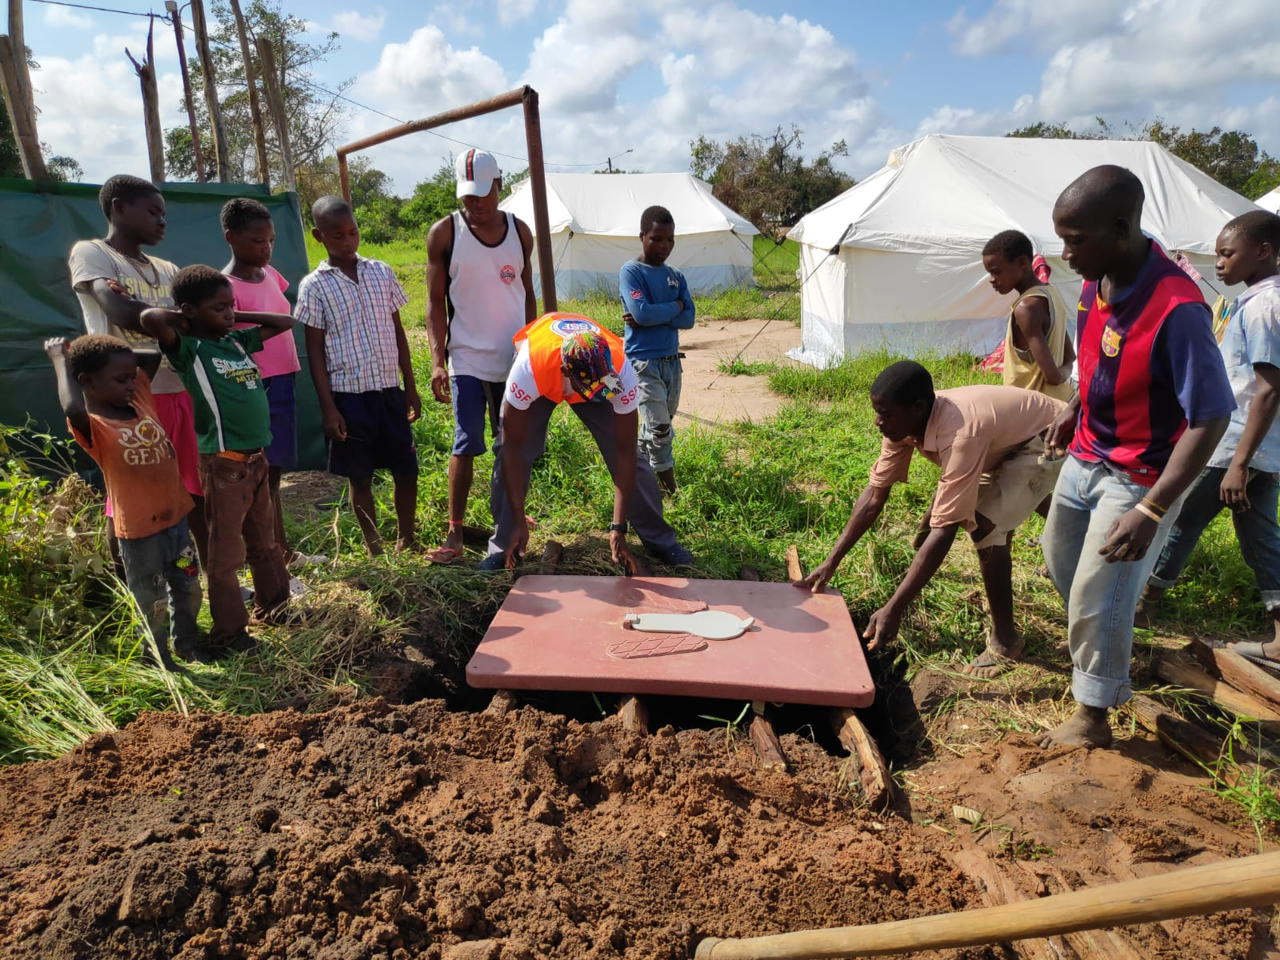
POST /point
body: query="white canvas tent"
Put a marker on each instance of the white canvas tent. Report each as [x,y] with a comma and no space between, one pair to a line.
[595,227]
[1270,201]
[895,262]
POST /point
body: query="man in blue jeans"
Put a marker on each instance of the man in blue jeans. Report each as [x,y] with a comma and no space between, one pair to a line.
[1244,471]
[1154,400]
[656,306]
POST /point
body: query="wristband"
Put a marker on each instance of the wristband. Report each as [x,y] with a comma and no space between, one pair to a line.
[618,527]
[1154,506]
[1146,511]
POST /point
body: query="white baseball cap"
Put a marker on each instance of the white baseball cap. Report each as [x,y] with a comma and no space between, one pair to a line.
[475,171]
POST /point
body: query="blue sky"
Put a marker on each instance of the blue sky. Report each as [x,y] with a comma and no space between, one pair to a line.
[651,75]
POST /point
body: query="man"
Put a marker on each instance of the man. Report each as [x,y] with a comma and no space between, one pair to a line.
[570,358]
[1154,399]
[480,293]
[987,441]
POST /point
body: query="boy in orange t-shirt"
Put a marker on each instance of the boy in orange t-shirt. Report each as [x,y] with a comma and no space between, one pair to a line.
[108,405]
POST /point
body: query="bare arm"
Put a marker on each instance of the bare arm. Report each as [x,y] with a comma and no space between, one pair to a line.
[866,510]
[406,369]
[883,626]
[121,309]
[69,393]
[1262,412]
[160,323]
[271,324]
[1031,317]
[439,246]
[335,428]
[526,274]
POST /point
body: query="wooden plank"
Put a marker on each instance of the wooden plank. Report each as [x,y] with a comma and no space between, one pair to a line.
[635,715]
[251,83]
[873,774]
[998,888]
[765,740]
[1241,673]
[1190,739]
[503,702]
[1176,669]
[794,570]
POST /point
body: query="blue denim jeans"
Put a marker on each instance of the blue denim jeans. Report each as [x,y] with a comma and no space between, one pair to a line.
[1101,597]
[1256,529]
[163,575]
[659,398]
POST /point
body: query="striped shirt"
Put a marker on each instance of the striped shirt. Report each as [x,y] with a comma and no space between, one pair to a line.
[358,321]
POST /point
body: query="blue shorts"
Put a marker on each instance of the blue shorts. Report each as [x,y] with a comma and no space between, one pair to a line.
[282,452]
[472,398]
[378,435]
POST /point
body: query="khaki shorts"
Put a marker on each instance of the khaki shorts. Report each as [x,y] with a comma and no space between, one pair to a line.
[1011,492]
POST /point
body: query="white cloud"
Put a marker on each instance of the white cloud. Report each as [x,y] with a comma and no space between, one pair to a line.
[362,27]
[1033,24]
[513,11]
[66,17]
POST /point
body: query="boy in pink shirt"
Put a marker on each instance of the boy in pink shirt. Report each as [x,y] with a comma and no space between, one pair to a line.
[259,288]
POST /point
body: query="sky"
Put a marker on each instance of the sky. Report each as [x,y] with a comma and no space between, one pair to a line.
[637,80]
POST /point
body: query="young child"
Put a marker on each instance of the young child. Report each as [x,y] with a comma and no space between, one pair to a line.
[1244,470]
[259,287]
[115,281]
[656,306]
[109,407]
[233,425]
[358,353]
[1037,351]
[479,296]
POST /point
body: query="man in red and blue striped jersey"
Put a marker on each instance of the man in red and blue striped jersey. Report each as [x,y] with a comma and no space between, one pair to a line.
[1154,399]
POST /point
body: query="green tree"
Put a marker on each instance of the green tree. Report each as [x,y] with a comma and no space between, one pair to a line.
[766,179]
[60,167]
[431,199]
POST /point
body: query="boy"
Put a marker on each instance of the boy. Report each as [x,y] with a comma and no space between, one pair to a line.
[478,299]
[108,405]
[656,306]
[1244,471]
[987,440]
[1153,401]
[233,425]
[357,353]
[115,281]
[565,357]
[1037,351]
[259,287]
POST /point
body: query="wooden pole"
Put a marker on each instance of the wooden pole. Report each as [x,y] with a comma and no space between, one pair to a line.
[538,183]
[146,71]
[221,162]
[175,15]
[251,81]
[19,100]
[271,82]
[1231,884]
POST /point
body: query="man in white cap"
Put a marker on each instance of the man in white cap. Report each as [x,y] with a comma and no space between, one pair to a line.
[479,295]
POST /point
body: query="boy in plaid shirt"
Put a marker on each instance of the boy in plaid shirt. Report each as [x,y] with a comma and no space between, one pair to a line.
[357,351]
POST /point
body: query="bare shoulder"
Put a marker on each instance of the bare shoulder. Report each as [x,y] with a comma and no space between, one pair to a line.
[440,236]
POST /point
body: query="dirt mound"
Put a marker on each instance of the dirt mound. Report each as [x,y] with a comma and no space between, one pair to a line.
[372,831]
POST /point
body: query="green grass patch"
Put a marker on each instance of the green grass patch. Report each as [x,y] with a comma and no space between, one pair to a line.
[746,368]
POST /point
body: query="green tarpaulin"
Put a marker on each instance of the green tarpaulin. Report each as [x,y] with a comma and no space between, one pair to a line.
[37,230]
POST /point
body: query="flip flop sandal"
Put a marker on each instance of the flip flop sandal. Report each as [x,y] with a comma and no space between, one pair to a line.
[443,555]
[1252,650]
[989,658]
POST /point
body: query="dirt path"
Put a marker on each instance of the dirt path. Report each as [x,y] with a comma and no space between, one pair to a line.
[710,396]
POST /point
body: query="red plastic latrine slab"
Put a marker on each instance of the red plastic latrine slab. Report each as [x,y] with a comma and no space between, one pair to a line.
[554,633]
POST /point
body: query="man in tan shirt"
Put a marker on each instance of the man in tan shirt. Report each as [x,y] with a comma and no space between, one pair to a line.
[987,440]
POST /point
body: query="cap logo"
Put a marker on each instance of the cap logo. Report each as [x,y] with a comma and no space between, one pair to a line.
[568,326]
[471,159]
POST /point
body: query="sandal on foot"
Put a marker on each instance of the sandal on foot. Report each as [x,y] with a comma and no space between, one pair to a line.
[989,660]
[1253,650]
[443,555]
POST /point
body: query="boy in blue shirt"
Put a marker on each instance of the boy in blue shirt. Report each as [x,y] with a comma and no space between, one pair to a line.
[656,305]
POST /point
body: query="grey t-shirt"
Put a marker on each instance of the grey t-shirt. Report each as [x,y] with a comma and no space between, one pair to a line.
[150,282]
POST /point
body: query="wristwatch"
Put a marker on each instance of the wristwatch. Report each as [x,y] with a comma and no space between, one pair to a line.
[618,527]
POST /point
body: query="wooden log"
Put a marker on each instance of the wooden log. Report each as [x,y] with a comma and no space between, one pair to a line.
[794,570]
[22,120]
[1231,884]
[251,83]
[551,555]
[538,188]
[1173,668]
[1240,672]
[765,739]
[503,702]
[273,83]
[873,773]
[1191,740]
[175,17]
[209,76]
[146,71]
[999,887]
[634,714]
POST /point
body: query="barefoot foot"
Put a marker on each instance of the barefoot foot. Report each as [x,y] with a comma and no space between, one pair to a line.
[1087,728]
[999,657]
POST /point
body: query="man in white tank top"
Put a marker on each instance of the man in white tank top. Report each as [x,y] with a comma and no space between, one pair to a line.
[479,294]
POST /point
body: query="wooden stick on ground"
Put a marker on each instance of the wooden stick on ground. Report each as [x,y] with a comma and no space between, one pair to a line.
[1247,882]
[1189,739]
[634,715]
[551,556]
[1241,673]
[503,702]
[1176,669]
[765,739]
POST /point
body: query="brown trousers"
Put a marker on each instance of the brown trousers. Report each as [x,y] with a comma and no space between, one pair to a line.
[242,526]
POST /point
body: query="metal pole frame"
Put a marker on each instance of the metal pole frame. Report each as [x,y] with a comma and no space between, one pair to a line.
[524,96]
